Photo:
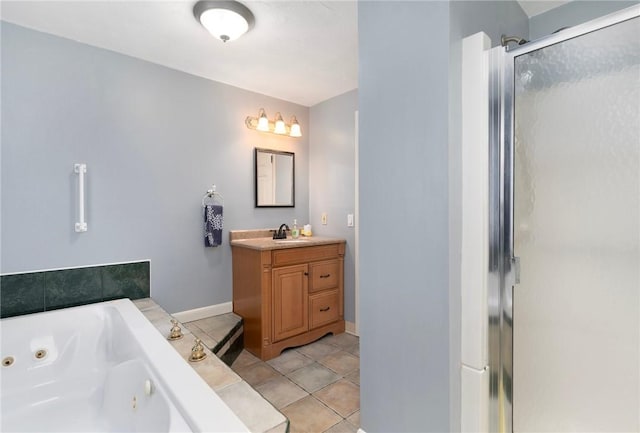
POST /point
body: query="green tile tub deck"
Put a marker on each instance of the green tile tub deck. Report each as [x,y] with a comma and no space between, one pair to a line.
[35,292]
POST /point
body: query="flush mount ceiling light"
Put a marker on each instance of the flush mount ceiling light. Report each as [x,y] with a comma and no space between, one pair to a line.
[225,20]
[262,123]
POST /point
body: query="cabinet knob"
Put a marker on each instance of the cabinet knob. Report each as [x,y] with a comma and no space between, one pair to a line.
[306,274]
[325,309]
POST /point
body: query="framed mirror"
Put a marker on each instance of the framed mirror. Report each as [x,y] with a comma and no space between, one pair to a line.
[274,178]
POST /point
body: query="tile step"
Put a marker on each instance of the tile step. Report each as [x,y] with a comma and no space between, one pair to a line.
[222,334]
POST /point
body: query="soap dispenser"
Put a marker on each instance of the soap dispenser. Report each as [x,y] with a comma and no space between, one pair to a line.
[295,231]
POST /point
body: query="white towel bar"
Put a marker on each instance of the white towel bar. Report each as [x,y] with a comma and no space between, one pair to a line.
[81,169]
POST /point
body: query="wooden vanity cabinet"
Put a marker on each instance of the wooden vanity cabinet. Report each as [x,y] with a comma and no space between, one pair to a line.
[288,297]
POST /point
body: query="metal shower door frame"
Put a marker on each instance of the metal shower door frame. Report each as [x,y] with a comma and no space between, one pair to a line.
[502,262]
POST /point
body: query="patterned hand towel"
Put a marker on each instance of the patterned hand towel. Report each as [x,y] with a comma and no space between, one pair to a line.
[212,225]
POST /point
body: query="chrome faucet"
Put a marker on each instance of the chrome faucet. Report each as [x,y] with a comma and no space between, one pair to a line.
[281,233]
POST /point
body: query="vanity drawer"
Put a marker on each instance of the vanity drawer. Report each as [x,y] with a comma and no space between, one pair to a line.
[291,256]
[324,275]
[323,308]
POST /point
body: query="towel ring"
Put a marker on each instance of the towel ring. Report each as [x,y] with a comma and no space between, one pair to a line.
[213,195]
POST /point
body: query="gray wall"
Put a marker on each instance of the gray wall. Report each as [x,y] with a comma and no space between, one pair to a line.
[332,179]
[154,140]
[410,192]
[571,14]
[404,284]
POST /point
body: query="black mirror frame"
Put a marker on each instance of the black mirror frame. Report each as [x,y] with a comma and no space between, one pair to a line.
[255,178]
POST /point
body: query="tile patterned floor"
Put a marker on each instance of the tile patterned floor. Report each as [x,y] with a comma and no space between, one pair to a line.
[316,386]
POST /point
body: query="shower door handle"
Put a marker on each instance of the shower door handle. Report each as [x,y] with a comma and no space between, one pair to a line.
[515,268]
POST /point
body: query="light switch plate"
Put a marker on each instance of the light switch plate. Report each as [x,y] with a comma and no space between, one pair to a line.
[323,218]
[350,220]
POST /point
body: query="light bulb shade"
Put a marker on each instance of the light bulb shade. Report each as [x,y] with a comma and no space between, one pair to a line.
[295,130]
[225,20]
[280,127]
[263,121]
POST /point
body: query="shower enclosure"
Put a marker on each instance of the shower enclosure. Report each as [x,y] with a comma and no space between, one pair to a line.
[564,239]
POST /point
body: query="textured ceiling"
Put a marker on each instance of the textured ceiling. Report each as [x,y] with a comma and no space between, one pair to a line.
[303,51]
[300,51]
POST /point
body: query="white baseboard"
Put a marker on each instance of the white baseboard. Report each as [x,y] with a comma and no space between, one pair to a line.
[203,312]
[350,328]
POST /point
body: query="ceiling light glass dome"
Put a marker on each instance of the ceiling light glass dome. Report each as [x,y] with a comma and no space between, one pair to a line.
[225,20]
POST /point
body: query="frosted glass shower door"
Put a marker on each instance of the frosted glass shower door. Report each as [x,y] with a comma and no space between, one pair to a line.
[576,228]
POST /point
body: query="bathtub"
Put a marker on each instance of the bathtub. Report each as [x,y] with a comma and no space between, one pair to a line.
[101,367]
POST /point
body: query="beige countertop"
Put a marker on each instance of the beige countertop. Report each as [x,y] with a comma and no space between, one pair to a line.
[267,243]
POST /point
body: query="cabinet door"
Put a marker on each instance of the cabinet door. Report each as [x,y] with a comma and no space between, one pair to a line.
[290,301]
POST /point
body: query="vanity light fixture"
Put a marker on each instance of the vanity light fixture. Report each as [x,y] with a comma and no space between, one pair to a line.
[295,130]
[278,126]
[263,122]
[224,19]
